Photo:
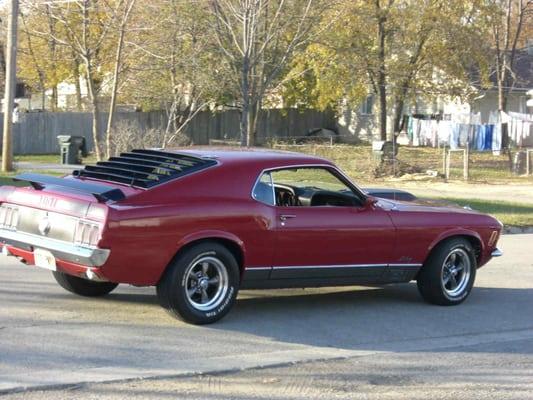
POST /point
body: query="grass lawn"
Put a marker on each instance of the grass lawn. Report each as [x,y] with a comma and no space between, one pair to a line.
[48,158]
[509,213]
[359,163]
[39,158]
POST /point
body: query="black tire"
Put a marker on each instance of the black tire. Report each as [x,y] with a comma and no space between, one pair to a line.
[183,286]
[442,271]
[83,287]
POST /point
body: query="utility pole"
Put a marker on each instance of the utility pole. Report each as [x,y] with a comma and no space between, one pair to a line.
[11,82]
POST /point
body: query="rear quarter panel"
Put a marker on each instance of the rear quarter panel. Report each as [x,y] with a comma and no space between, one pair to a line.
[146,232]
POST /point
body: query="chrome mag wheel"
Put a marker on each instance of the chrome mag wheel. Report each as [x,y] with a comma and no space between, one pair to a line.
[206,283]
[456,271]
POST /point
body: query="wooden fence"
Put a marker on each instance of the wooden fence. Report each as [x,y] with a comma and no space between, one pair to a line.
[36,133]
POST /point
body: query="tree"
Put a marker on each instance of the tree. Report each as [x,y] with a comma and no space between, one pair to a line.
[173,64]
[256,40]
[128,7]
[394,49]
[84,28]
[42,64]
[506,19]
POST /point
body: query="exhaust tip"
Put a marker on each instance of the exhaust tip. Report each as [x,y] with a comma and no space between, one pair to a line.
[5,251]
[90,274]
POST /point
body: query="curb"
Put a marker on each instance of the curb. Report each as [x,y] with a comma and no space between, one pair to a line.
[513,230]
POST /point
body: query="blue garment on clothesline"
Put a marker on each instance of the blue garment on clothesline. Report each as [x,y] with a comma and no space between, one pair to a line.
[479,137]
[454,138]
[489,130]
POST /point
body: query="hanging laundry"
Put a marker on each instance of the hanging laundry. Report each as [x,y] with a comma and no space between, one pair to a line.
[444,132]
[410,129]
[489,129]
[497,138]
[454,138]
[479,137]
[464,132]
[520,129]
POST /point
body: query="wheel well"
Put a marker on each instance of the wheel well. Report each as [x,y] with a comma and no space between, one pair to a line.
[233,247]
[474,241]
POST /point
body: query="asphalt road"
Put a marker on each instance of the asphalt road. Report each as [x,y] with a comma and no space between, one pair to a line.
[384,338]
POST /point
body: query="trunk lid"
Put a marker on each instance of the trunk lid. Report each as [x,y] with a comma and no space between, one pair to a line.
[66,209]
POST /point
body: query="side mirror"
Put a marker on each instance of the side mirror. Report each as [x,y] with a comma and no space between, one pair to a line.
[370,201]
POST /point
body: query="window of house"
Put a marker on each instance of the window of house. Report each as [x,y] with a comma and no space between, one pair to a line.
[368,105]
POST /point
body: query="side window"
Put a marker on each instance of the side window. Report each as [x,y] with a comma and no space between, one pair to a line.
[310,187]
[263,190]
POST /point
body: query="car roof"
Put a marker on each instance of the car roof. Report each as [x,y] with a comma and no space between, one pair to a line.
[238,155]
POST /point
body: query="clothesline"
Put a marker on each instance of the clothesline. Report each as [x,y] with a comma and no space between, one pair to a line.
[466,129]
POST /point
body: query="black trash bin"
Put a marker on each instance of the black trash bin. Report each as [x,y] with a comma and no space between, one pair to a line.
[71,148]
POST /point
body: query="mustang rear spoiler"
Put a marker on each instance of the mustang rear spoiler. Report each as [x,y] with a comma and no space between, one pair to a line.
[101,192]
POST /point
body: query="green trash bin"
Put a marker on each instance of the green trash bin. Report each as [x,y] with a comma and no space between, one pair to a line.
[71,148]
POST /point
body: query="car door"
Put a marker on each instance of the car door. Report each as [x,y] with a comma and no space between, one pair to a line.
[328,239]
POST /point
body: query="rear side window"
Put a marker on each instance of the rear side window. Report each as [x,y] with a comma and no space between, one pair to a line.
[263,190]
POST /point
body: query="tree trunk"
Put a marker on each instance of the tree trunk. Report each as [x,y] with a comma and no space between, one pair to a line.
[382,80]
[245,91]
[252,126]
[76,74]
[118,57]
[53,57]
[114,89]
[54,105]
[398,115]
[94,109]
[502,106]
[252,123]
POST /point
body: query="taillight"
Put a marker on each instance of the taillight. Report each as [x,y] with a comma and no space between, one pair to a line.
[97,211]
[9,216]
[87,233]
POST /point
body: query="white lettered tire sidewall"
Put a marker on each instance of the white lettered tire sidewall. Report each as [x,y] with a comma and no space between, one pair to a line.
[430,278]
[172,290]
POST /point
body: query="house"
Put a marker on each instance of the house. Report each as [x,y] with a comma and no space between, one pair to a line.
[362,124]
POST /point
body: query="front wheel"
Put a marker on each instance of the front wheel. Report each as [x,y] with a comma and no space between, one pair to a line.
[201,285]
[83,287]
[448,275]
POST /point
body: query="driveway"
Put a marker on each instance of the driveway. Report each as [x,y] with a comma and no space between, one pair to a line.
[50,338]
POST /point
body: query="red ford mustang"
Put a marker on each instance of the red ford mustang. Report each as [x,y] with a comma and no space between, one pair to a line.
[200,225]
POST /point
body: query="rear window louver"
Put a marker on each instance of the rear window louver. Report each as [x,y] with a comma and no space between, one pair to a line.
[145,168]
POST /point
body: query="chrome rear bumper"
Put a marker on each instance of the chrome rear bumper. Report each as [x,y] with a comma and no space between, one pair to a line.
[86,256]
[496,253]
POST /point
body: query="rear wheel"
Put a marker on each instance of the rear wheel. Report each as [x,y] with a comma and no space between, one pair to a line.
[83,287]
[448,275]
[200,286]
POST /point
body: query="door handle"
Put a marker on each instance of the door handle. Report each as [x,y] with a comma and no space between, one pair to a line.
[285,217]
